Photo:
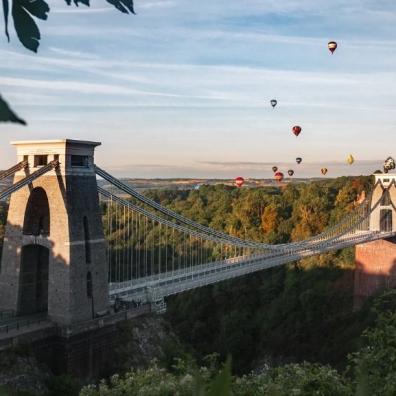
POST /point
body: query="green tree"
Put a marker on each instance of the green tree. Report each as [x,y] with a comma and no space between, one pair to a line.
[294,379]
[375,364]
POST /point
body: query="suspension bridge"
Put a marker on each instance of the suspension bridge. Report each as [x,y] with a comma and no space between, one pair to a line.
[120,245]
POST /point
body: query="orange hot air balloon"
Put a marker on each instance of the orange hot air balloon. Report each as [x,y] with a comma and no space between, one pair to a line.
[324,171]
[239,181]
[332,45]
[278,176]
[296,130]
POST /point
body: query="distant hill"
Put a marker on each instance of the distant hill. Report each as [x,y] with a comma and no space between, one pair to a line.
[188,184]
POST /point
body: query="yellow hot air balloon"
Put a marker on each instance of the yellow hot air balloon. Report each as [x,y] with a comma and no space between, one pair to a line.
[350,159]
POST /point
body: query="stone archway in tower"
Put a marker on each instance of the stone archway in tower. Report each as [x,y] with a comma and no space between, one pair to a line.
[37,215]
[386,220]
[33,280]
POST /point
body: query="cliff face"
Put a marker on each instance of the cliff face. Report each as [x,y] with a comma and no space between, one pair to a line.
[135,344]
[143,340]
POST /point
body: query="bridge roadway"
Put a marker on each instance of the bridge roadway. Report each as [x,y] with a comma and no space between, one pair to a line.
[157,286]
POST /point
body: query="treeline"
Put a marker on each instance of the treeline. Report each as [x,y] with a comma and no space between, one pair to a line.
[268,214]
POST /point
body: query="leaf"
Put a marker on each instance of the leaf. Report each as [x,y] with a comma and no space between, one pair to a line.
[76,2]
[125,6]
[5,12]
[25,26]
[221,384]
[7,115]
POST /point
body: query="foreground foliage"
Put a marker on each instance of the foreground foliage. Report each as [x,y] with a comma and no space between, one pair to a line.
[371,371]
[304,379]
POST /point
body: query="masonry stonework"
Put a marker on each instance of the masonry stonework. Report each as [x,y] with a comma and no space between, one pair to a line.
[72,195]
[375,268]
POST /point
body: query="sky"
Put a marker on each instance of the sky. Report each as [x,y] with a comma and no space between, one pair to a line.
[182,89]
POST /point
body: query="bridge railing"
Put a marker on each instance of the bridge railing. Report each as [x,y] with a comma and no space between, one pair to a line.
[22,323]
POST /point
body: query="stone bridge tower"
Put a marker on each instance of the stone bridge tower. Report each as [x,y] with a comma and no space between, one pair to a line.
[54,253]
[376,261]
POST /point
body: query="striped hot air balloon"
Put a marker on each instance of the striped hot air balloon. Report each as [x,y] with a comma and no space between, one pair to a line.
[332,45]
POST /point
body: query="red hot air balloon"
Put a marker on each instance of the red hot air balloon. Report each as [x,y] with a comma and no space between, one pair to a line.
[296,130]
[278,176]
[239,181]
[332,45]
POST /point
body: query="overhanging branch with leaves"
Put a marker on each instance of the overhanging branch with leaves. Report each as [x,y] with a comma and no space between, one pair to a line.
[24,15]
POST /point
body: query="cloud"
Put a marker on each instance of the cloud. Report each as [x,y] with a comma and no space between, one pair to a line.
[156,4]
[87,88]
[73,54]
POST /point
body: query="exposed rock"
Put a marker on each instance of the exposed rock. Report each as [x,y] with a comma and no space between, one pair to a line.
[143,340]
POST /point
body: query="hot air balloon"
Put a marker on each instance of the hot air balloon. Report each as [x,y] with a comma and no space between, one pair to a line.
[350,159]
[324,171]
[278,176]
[298,160]
[389,164]
[239,181]
[332,45]
[274,102]
[290,172]
[274,169]
[296,130]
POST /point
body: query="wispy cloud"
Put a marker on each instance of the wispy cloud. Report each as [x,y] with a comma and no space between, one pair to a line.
[157,4]
[73,54]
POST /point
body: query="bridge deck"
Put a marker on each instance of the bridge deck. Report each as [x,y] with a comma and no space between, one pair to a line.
[169,283]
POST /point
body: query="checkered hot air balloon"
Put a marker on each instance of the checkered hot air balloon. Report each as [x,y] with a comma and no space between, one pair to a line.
[389,164]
